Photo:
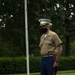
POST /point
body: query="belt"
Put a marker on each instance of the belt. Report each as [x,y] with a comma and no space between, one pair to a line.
[47,55]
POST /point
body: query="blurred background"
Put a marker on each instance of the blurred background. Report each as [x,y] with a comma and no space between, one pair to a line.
[12,33]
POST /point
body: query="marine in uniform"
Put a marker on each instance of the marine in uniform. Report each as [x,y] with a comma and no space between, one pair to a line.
[51,48]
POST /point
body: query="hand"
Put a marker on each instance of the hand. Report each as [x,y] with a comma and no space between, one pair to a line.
[55,64]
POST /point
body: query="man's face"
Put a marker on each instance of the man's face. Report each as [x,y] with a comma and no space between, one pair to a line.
[44,29]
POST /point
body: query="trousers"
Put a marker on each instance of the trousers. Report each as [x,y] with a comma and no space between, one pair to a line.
[46,65]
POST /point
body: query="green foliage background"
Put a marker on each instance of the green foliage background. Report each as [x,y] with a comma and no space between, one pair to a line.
[12,25]
[13,65]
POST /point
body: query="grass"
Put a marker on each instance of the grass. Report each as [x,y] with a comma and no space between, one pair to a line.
[69,72]
[39,74]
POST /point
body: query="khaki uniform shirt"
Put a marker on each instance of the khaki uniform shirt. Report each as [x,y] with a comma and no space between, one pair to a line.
[49,42]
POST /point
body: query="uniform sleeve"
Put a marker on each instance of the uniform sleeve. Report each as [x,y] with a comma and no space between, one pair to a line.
[57,40]
[40,44]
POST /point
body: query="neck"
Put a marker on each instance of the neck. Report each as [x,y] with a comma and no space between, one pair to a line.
[47,31]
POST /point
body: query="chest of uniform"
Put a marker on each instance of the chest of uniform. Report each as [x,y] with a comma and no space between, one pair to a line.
[47,39]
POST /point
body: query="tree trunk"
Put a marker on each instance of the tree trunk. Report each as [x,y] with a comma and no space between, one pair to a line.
[67,45]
